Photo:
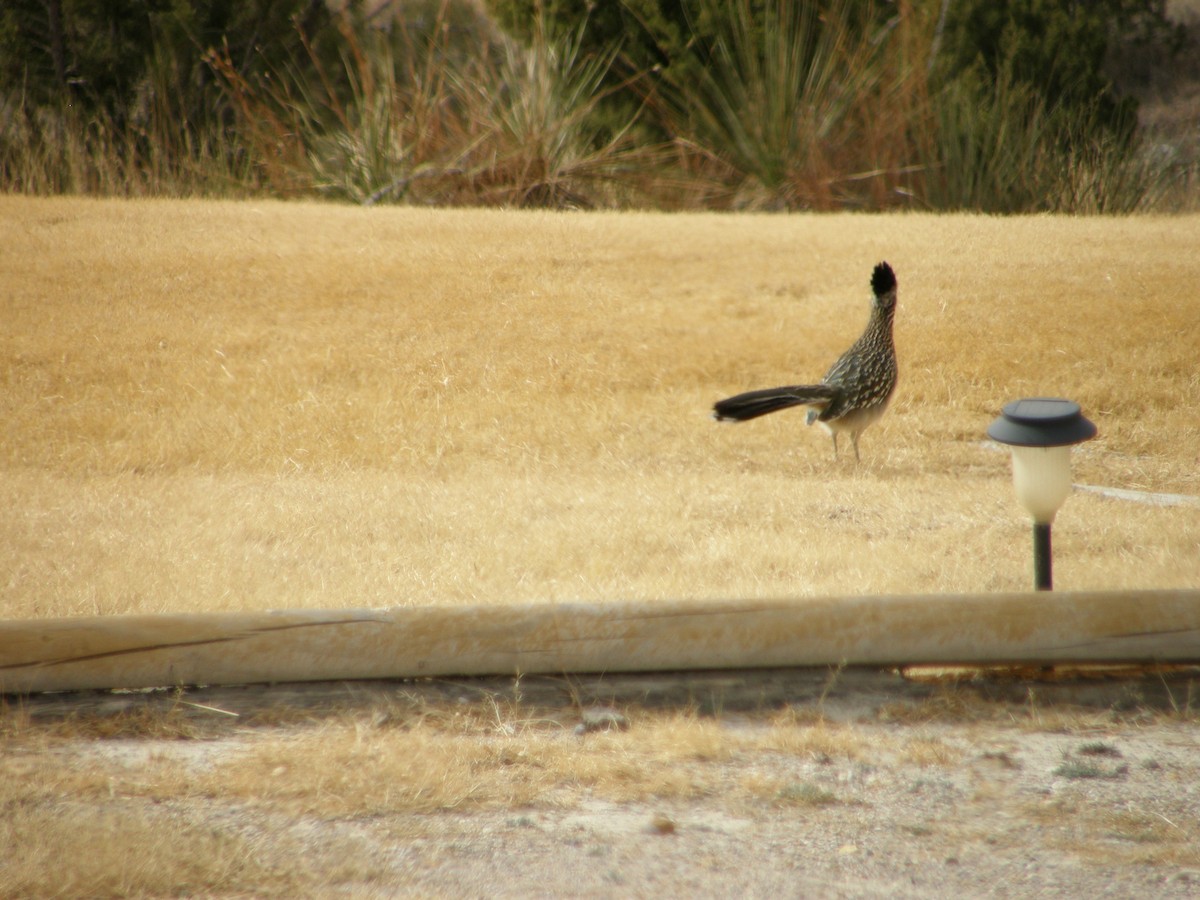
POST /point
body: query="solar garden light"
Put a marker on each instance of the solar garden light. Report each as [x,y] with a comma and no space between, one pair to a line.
[1040,431]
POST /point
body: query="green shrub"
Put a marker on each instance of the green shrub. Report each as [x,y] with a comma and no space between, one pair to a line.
[1055,49]
[784,101]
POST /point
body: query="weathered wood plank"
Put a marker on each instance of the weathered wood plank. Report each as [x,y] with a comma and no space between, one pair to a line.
[324,645]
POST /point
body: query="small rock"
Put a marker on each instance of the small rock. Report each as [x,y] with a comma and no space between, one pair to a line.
[661,824]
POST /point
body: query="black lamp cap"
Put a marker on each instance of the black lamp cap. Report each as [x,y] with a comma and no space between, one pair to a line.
[1041,422]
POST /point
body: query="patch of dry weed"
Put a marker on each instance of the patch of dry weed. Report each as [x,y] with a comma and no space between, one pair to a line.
[131,850]
[1128,834]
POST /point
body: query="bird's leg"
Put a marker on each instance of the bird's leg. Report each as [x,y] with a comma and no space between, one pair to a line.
[833,434]
[854,441]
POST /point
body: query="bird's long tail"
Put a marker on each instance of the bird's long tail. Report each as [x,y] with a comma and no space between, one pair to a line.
[753,404]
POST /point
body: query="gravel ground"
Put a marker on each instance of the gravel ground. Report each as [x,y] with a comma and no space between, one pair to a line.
[1005,821]
[1001,823]
[1083,803]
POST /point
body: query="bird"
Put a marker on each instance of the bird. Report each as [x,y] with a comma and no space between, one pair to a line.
[854,392]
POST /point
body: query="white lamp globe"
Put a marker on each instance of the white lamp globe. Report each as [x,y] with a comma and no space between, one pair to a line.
[1042,478]
[1040,432]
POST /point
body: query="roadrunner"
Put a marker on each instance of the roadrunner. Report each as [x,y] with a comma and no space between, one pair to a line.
[856,389]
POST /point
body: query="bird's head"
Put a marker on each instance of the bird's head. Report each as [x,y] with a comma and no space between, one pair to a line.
[883,284]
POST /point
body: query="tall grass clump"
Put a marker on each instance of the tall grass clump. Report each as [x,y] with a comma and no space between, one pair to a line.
[52,149]
[1001,147]
[987,148]
[126,108]
[546,144]
[407,116]
[790,103]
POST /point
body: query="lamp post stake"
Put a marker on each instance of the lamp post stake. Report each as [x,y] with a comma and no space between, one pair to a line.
[1043,578]
[1040,432]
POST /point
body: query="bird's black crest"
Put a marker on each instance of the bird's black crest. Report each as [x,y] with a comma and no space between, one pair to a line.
[883,279]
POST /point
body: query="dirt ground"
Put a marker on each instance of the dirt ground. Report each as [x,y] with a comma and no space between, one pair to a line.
[1002,823]
[1032,786]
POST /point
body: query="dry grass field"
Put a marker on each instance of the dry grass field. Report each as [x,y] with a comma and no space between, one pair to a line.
[227,406]
[214,406]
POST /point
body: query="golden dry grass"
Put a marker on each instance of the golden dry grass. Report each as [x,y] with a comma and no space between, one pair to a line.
[423,761]
[130,853]
[1096,833]
[213,406]
[141,814]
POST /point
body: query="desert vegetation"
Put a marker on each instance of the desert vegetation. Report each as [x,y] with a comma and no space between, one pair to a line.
[925,105]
